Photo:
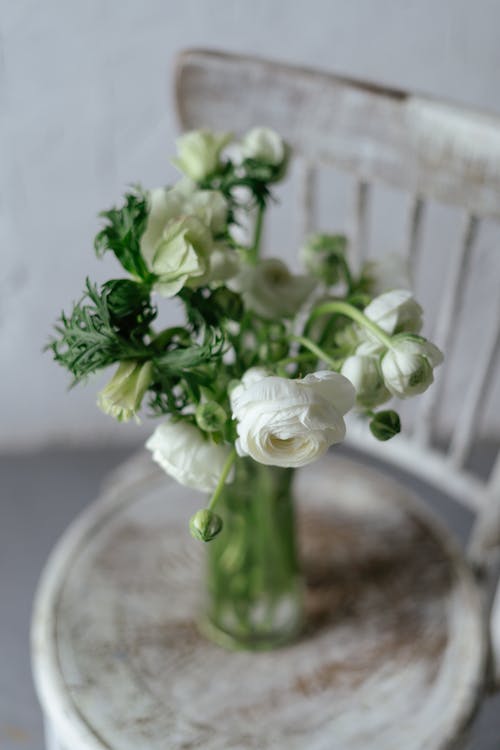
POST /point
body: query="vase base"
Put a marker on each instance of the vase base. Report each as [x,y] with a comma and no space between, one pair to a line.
[253,641]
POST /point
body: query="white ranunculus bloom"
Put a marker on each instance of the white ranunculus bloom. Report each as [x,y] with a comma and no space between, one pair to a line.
[264,145]
[180,256]
[407,367]
[270,290]
[363,370]
[184,199]
[183,452]
[197,215]
[223,264]
[199,153]
[209,206]
[395,312]
[290,423]
[163,207]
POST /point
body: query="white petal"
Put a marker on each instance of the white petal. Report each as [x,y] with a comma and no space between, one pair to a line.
[333,387]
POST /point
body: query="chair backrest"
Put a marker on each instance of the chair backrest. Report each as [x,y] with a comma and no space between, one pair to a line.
[432,151]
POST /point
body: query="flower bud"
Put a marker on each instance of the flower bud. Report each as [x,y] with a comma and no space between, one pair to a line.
[385,425]
[363,371]
[199,153]
[205,525]
[122,397]
[264,145]
[395,312]
[407,367]
[323,256]
[210,416]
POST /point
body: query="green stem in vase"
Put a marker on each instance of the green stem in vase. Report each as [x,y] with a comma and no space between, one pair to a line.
[222,479]
[253,570]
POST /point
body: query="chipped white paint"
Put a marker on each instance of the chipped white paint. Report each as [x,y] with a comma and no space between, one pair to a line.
[357,126]
[394,656]
[358,245]
[307,199]
[415,223]
[446,330]
[444,133]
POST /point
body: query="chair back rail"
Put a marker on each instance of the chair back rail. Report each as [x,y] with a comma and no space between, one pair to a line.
[446,327]
[416,216]
[431,150]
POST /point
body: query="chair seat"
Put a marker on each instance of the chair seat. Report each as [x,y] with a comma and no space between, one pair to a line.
[393,656]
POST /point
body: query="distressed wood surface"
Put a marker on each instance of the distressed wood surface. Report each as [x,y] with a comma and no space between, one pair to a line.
[393,656]
[437,149]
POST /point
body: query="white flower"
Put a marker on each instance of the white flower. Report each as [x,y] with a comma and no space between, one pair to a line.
[395,311]
[181,254]
[223,264]
[199,153]
[363,370]
[407,367]
[182,451]
[391,271]
[264,145]
[122,396]
[166,205]
[283,422]
[177,243]
[209,206]
[270,290]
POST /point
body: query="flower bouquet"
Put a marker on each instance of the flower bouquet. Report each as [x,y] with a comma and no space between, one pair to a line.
[256,381]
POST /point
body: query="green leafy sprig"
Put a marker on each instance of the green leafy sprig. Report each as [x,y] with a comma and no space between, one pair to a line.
[95,336]
[122,234]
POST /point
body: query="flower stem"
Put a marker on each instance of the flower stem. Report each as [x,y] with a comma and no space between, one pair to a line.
[344,308]
[347,274]
[222,480]
[315,349]
[294,360]
[253,253]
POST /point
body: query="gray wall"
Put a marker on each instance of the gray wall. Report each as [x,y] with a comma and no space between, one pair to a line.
[86,108]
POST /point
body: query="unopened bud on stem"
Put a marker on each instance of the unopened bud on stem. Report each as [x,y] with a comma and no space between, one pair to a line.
[205,525]
[385,424]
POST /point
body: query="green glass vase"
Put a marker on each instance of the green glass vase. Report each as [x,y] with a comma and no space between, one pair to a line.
[254,588]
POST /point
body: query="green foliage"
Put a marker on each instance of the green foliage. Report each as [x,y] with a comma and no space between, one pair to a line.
[129,306]
[252,175]
[190,357]
[206,307]
[91,337]
[182,366]
[113,325]
[122,234]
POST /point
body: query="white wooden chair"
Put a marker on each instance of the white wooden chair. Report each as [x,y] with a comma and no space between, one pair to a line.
[431,150]
[399,656]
